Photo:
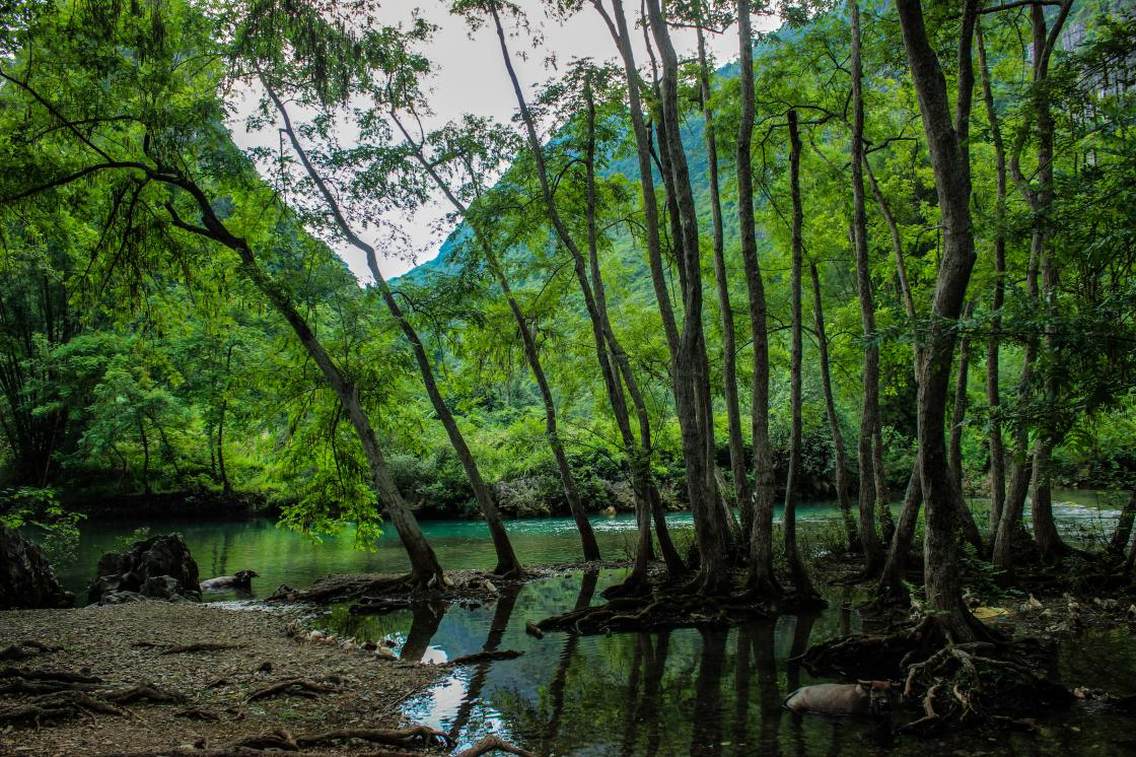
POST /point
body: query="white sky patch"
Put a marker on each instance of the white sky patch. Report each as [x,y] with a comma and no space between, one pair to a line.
[469,77]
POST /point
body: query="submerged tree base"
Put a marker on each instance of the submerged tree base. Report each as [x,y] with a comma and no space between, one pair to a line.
[661,605]
[952,684]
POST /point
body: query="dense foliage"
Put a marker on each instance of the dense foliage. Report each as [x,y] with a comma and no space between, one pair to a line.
[156,278]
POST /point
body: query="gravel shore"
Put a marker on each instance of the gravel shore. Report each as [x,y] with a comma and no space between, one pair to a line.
[137,644]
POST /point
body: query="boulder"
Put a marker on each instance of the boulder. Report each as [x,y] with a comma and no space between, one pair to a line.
[26,577]
[157,568]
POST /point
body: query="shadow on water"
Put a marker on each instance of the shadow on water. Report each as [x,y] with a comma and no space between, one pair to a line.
[712,691]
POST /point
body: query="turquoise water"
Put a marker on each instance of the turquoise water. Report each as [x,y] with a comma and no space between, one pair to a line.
[686,691]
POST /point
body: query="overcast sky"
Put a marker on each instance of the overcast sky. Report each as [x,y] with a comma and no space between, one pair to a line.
[469,77]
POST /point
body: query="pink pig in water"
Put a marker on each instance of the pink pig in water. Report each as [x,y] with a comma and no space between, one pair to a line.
[866,698]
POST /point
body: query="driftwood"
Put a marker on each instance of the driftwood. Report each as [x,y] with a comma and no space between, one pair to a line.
[472,659]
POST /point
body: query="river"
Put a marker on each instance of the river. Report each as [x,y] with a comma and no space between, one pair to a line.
[681,692]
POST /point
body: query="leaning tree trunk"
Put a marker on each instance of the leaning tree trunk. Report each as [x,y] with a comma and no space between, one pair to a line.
[993,344]
[761,538]
[507,562]
[532,356]
[620,360]
[797,571]
[950,159]
[601,332]
[425,569]
[840,464]
[870,415]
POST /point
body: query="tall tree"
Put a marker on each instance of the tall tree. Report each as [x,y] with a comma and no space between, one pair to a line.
[470,149]
[761,536]
[870,414]
[797,571]
[947,141]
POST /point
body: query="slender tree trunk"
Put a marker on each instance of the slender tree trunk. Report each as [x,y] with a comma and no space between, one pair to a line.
[993,344]
[1044,529]
[870,415]
[691,365]
[840,463]
[1123,530]
[145,455]
[762,577]
[425,569]
[1010,529]
[954,452]
[601,331]
[890,589]
[797,571]
[507,562]
[950,159]
[729,340]
[532,356]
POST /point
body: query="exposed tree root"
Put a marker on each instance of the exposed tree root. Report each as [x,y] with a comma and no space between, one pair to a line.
[295,687]
[36,682]
[25,649]
[874,657]
[203,646]
[416,737]
[145,693]
[59,705]
[196,713]
[493,744]
[658,610]
[472,659]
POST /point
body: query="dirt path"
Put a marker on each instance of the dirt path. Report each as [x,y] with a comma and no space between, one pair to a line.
[112,649]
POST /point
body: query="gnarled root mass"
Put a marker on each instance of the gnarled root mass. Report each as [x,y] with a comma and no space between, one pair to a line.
[654,611]
[874,657]
[953,684]
[969,683]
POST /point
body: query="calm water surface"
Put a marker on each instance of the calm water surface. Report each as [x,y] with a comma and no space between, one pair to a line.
[681,692]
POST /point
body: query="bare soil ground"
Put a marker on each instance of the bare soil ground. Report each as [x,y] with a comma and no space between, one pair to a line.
[144,644]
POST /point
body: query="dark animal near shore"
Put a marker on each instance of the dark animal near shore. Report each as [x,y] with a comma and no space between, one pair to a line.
[242,581]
